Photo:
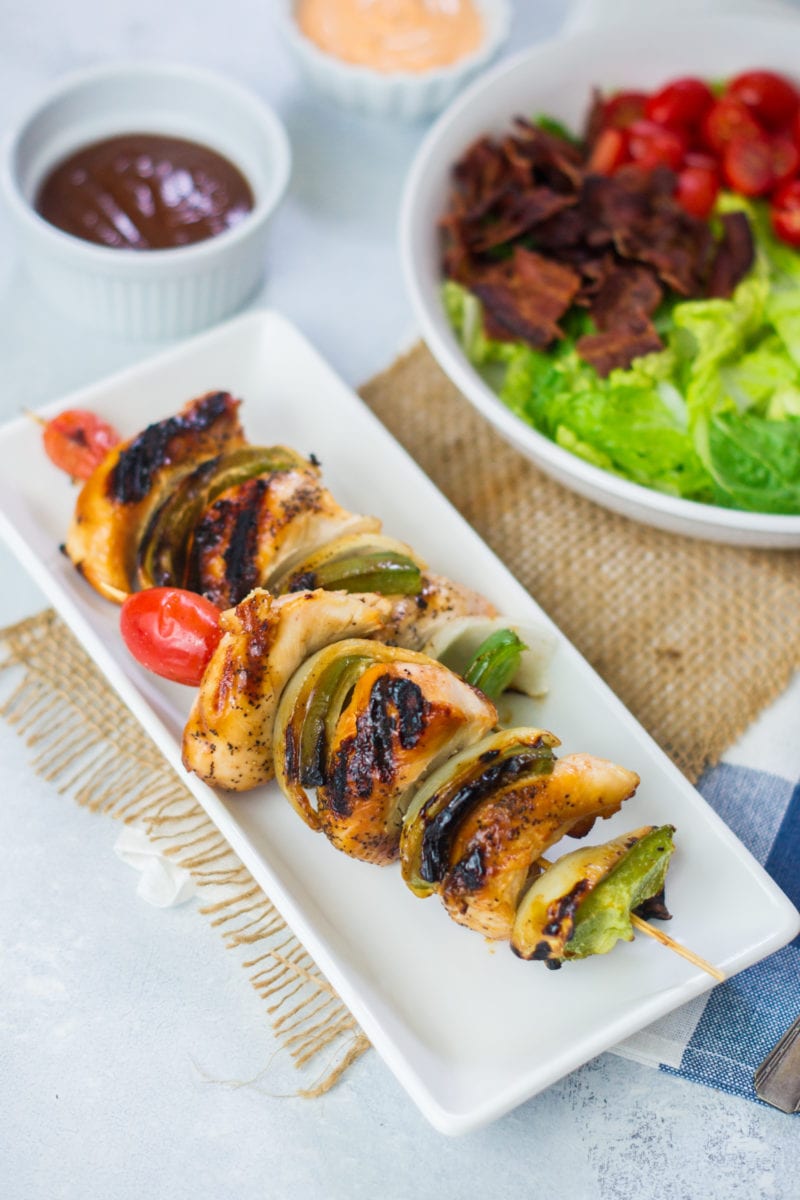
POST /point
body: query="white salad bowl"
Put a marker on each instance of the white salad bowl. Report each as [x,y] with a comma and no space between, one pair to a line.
[556,78]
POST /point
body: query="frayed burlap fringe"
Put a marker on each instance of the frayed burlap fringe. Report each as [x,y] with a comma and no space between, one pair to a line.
[86,744]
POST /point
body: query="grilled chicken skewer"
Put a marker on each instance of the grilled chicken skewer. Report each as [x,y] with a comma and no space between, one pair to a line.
[116,502]
[477,827]
[362,723]
[228,739]
[367,725]
[262,526]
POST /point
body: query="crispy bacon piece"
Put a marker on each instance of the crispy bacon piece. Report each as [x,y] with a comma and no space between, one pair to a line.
[618,347]
[527,297]
[734,256]
[532,232]
[625,291]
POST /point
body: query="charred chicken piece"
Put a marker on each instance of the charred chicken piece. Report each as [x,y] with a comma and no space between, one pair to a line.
[415,618]
[163,554]
[228,740]
[115,503]
[582,903]
[476,830]
[262,526]
[363,723]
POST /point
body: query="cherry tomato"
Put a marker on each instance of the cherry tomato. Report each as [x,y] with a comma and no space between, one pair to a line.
[623,108]
[772,99]
[747,166]
[681,104]
[785,159]
[77,441]
[609,151]
[698,158]
[726,119]
[785,213]
[697,190]
[652,145]
[172,632]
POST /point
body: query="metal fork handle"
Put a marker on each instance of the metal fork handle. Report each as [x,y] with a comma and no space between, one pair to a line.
[777,1080]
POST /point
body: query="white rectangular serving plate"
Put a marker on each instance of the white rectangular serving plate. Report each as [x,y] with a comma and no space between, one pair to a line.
[468,1029]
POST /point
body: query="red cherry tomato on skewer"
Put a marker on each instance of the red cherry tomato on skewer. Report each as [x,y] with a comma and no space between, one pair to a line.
[785,213]
[171,632]
[681,104]
[77,441]
[773,100]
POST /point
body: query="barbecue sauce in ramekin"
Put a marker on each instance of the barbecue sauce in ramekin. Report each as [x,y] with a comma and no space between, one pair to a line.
[144,191]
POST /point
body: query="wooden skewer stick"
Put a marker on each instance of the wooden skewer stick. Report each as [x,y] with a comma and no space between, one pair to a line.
[676,947]
[665,940]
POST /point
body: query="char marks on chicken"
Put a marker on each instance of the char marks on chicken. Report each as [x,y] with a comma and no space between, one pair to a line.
[115,504]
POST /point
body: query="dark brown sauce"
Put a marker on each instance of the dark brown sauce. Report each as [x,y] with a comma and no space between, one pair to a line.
[144,191]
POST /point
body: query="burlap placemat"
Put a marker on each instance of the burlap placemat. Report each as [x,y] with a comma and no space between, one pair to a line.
[696,638]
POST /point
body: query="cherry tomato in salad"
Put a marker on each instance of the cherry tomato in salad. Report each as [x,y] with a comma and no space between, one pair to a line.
[623,108]
[747,166]
[654,145]
[171,632]
[697,190]
[699,158]
[785,159]
[727,119]
[681,104]
[609,152]
[785,213]
[772,99]
[77,441]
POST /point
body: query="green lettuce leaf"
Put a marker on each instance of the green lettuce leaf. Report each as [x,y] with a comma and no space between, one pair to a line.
[755,462]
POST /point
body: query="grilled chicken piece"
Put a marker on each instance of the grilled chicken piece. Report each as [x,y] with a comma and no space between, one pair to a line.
[252,530]
[115,503]
[403,719]
[496,845]
[228,738]
[414,618]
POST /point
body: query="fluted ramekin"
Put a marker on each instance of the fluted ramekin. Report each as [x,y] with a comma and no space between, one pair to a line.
[147,294]
[402,95]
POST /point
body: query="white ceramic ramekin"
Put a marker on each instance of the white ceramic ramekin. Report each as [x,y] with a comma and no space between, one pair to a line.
[147,294]
[402,95]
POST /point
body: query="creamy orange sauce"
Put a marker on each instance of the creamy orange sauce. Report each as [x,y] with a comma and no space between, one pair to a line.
[393,35]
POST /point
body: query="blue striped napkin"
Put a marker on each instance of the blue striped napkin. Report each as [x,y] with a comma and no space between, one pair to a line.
[720,1038]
